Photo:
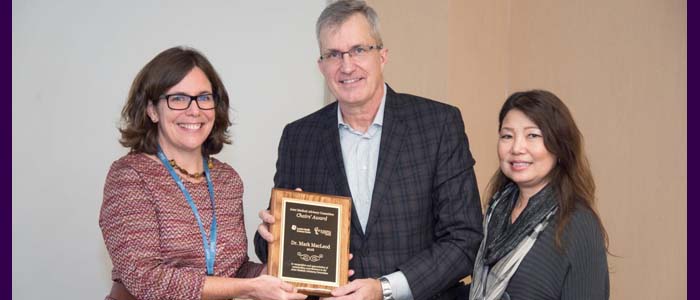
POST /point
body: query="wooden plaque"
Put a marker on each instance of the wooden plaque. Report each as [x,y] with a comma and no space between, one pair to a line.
[312,240]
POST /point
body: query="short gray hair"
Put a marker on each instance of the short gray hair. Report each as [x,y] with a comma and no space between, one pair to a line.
[338,12]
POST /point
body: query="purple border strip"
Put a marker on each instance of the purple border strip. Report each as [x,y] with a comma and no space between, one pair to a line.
[693,223]
[6,157]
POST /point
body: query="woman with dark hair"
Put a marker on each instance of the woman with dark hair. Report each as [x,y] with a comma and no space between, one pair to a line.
[542,236]
[172,216]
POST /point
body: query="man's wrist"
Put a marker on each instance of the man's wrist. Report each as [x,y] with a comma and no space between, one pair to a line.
[387,293]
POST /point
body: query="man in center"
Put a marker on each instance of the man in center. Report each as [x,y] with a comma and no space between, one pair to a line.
[404,160]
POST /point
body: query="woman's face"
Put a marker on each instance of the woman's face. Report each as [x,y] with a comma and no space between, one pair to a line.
[184,131]
[521,152]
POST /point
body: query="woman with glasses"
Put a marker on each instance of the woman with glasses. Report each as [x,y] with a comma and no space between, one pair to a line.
[542,236]
[172,215]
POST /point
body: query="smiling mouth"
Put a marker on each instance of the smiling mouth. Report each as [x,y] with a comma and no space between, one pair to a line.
[352,80]
[192,126]
[519,165]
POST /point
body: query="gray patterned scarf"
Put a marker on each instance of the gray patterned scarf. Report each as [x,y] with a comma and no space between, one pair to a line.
[505,245]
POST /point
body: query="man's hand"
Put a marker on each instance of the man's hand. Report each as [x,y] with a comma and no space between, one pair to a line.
[264,228]
[267,218]
[350,271]
[359,289]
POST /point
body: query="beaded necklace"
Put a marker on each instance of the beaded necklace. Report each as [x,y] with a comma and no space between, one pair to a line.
[195,176]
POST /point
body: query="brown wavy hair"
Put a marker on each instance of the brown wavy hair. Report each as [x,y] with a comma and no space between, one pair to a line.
[571,177]
[164,71]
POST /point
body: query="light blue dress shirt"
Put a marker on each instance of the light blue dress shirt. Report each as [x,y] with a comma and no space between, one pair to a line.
[360,157]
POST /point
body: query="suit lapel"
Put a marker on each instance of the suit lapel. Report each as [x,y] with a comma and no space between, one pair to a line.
[393,132]
[333,155]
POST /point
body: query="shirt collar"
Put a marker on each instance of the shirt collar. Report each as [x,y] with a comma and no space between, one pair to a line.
[378,119]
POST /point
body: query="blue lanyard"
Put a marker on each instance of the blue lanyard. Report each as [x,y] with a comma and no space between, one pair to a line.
[209,243]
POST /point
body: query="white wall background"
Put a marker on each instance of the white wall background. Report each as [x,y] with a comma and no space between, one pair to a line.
[72,65]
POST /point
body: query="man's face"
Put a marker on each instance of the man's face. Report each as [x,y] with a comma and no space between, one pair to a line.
[354,80]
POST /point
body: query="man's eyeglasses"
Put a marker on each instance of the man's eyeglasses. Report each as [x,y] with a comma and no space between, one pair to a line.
[183,102]
[357,52]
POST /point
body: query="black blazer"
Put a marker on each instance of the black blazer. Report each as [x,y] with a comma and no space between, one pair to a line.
[425,218]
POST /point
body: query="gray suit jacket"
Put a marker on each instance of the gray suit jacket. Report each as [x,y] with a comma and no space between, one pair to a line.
[425,218]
